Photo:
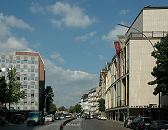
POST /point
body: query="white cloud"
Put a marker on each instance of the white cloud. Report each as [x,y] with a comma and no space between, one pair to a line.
[36,7]
[70,16]
[68,84]
[14,44]
[124,12]
[112,35]
[11,21]
[8,42]
[57,57]
[85,37]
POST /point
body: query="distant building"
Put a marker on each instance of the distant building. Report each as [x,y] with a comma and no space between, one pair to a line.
[126,85]
[92,101]
[84,103]
[31,73]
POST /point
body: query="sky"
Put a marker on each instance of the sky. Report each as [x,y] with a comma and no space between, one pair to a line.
[74,37]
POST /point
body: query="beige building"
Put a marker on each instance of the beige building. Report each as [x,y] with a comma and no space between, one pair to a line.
[31,73]
[126,85]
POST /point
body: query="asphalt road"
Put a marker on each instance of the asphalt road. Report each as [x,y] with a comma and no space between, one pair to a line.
[94,124]
[77,124]
[47,126]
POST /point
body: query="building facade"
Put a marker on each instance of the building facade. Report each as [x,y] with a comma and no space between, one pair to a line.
[126,87]
[31,73]
[84,103]
[92,101]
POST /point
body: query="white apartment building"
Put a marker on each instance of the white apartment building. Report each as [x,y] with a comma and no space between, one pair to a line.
[126,85]
[31,73]
[84,104]
[92,101]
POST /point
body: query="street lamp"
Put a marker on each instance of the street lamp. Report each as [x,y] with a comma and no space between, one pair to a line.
[139,32]
[130,27]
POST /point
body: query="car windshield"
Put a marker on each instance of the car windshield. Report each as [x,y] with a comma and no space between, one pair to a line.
[33,114]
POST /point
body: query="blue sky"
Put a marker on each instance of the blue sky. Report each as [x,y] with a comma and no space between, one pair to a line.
[74,37]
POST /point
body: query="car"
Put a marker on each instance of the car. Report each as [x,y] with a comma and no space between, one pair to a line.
[18,118]
[140,123]
[56,117]
[87,116]
[159,125]
[49,118]
[101,117]
[2,120]
[35,118]
[128,121]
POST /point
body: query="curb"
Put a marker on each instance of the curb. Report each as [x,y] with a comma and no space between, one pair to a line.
[65,122]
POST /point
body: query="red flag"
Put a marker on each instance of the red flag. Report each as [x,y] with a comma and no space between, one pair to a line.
[118,47]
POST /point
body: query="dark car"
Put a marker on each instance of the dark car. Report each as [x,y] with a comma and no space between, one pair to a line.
[159,125]
[18,118]
[140,123]
[2,120]
[128,121]
[35,118]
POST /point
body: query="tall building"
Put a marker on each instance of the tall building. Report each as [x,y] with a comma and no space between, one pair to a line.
[126,90]
[92,101]
[84,103]
[31,73]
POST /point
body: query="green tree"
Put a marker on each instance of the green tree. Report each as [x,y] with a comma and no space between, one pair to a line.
[77,108]
[53,108]
[160,71]
[13,92]
[71,109]
[49,98]
[101,105]
[62,108]
[3,90]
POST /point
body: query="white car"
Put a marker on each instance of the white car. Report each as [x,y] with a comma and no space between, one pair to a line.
[49,118]
[102,118]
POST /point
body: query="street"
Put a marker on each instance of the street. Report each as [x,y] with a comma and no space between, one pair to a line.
[94,124]
[77,124]
[47,126]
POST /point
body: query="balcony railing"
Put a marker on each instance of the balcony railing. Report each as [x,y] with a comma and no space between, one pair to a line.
[149,34]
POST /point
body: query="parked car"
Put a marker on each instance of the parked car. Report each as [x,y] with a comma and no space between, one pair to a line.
[49,118]
[35,118]
[2,120]
[128,121]
[102,117]
[18,118]
[159,125]
[140,123]
[56,117]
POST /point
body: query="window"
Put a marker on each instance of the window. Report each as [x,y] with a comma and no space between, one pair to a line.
[32,95]
[7,61]
[25,78]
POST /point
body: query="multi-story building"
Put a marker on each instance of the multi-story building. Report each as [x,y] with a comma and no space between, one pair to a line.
[31,73]
[126,89]
[84,103]
[92,101]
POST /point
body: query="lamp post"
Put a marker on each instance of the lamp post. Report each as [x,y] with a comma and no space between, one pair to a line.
[130,27]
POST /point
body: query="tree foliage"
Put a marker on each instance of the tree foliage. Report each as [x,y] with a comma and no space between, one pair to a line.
[101,105]
[3,90]
[10,89]
[14,94]
[62,108]
[49,94]
[160,71]
[75,109]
